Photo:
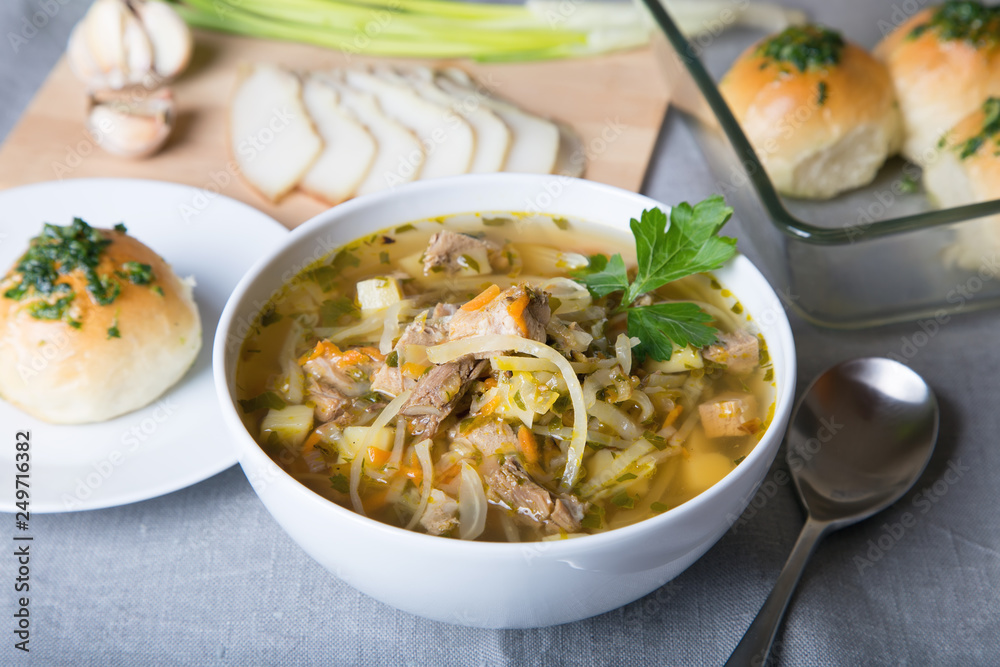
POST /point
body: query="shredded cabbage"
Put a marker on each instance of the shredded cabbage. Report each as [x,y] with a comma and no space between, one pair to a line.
[452,350]
[382,420]
[611,416]
[423,449]
[471,504]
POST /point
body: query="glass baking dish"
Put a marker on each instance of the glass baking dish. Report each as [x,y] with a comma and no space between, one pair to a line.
[869,257]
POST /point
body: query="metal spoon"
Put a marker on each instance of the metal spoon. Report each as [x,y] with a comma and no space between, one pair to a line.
[859,439]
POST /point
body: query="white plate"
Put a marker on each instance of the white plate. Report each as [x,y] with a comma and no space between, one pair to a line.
[179,439]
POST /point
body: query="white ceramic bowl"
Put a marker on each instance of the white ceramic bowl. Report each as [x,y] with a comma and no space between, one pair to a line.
[488,584]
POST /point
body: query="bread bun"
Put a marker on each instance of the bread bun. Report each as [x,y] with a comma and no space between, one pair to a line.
[944,61]
[65,358]
[966,171]
[819,112]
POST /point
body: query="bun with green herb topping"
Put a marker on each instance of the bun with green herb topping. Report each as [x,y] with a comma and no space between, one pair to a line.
[819,111]
[944,62]
[93,324]
[965,171]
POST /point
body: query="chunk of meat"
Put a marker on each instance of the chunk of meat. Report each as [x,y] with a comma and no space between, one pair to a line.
[451,252]
[511,486]
[516,311]
[729,415]
[390,379]
[329,402]
[437,392]
[739,352]
[349,372]
[567,513]
[441,515]
[443,310]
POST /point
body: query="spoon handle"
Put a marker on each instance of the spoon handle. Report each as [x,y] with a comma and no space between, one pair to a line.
[755,646]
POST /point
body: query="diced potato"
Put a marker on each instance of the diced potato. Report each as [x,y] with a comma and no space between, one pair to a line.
[354,438]
[684,359]
[378,293]
[475,262]
[703,470]
[291,424]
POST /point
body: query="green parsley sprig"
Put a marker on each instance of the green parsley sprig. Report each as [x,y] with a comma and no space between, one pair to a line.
[690,244]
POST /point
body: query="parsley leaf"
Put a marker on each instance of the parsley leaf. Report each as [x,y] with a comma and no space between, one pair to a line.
[604,276]
[689,244]
[663,326]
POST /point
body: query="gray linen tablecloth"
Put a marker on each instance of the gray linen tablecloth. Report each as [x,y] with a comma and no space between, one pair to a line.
[205,577]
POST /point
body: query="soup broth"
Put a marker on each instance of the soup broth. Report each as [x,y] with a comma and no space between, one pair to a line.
[429,377]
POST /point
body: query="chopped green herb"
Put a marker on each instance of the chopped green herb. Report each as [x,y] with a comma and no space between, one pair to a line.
[655,440]
[137,273]
[157,289]
[332,311]
[270,316]
[989,128]
[737,308]
[468,261]
[113,331]
[804,47]
[822,94]
[43,310]
[268,399]
[340,483]
[659,508]
[518,401]
[58,251]
[120,228]
[383,257]
[627,476]
[908,184]
[623,500]
[392,361]
[968,21]
[594,518]
[561,223]
[405,228]
[769,375]
[494,222]
[739,460]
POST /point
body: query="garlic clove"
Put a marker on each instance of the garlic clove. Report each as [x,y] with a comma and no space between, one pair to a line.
[128,126]
[170,36]
[138,50]
[80,60]
[104,29]
[120,43]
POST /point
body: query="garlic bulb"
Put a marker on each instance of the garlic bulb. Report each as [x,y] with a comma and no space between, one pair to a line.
[131,125]
[121,43]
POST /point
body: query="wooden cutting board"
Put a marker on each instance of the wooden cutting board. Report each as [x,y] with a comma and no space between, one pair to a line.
[615,102]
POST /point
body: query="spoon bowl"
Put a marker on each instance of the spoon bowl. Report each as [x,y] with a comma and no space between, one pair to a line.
[859,439]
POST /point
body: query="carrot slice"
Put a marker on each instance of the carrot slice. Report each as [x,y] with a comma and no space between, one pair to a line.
[672,416]
[377,457]
[528,444]
[516,310]
[490,406]
[323,348]
[484,298]
[310,443]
